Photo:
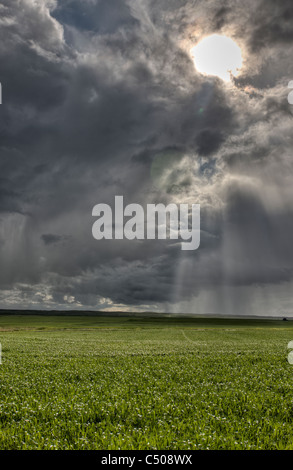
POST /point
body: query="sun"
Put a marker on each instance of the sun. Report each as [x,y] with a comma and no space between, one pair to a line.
[217,55]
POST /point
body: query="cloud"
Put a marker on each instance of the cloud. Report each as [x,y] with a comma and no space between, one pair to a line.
[51,239]
[101,98]
[99,17]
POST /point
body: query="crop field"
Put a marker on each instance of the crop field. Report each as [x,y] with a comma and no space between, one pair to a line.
[86,382]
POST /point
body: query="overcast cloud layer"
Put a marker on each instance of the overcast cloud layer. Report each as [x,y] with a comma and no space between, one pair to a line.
[101,98]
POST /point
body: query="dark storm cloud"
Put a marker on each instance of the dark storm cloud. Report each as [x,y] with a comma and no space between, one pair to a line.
[263,251]
[134,282]
[272,24]
[9,198]
[31,45]
[101,98]
[221,17]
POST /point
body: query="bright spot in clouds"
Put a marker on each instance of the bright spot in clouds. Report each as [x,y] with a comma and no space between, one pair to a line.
[217,55]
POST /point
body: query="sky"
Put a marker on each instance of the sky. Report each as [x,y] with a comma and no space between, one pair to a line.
[102,98]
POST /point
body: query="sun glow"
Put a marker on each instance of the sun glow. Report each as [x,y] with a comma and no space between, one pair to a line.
[217,55]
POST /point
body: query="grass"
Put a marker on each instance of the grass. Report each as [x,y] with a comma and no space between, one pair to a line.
[132,383]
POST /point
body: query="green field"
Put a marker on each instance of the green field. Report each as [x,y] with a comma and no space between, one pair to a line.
[86,382]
